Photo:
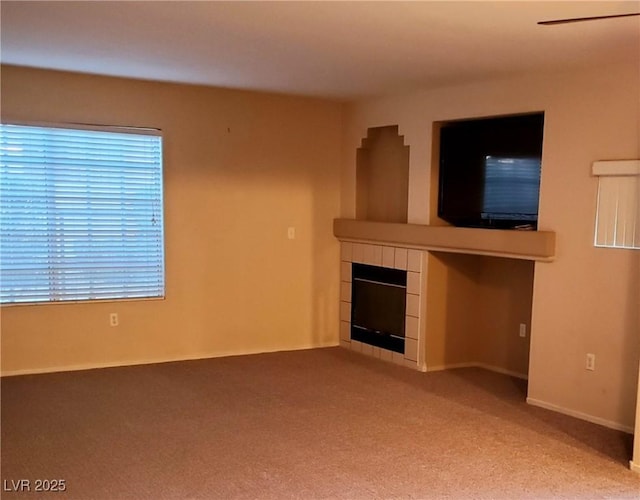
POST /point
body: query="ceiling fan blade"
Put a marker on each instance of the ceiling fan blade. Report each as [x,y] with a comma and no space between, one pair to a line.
[581,19]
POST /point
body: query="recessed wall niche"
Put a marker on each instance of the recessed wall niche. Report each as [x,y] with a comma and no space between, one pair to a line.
[382,176]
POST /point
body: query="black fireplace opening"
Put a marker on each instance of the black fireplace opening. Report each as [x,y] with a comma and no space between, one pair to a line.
[378,305]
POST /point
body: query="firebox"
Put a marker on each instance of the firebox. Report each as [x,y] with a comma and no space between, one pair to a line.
[378,305]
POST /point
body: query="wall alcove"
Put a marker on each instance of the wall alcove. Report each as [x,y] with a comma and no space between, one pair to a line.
[382,176]
[475,294]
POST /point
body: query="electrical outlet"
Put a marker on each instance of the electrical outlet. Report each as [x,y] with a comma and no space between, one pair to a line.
[523,330]
[591,362]
[291,233]
[113,319]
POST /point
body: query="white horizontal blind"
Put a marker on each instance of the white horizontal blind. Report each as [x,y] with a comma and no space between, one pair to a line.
[80,214]
[511,187]
[618,208]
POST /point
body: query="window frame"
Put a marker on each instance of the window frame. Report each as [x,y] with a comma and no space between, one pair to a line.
[121,129]
[606,171]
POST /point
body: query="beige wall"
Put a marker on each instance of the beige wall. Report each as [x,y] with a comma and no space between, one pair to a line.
[586,300]
[452,337]
[635,463]
[474,305]
[240,168]
[636,443]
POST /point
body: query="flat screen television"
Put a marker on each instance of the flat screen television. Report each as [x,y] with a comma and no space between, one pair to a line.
[490,171]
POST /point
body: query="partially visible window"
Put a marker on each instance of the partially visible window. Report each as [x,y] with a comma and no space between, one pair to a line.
[618,208]
[80,214]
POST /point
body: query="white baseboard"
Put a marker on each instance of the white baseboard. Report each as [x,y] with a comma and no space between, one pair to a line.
[542,404]
[534,402]
[485,366]
[504,371]
[635,467]
[582,416]
[191,357]
[453,366]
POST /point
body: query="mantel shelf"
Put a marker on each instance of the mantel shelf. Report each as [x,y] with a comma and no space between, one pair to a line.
[526,245]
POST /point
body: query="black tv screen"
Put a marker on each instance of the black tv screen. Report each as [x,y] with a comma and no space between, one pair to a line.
[490,171]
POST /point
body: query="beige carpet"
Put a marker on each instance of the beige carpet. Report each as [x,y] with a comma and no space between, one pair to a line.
[324,423]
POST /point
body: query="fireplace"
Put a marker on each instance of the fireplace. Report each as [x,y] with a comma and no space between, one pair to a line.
[378,305]
[382,279]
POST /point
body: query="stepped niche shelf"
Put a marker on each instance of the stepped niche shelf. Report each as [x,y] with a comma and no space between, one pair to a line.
[526,245]
[382,176]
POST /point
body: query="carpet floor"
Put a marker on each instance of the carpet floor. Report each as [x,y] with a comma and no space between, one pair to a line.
[323,423]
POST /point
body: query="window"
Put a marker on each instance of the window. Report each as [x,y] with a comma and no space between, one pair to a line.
[80,214]
[618,208]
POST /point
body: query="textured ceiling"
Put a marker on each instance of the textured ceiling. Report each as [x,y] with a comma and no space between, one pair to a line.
[341,50]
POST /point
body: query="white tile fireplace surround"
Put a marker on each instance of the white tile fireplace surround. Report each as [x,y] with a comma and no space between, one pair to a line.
[409,260]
